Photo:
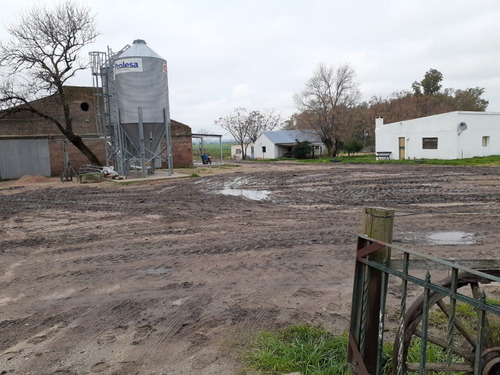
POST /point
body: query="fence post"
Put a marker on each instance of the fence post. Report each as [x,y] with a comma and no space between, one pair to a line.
[378,224]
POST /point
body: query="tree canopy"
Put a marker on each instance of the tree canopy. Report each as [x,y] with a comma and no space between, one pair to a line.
[343,120]
[43,54]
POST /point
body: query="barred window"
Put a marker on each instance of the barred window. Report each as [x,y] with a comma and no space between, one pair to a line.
[430,143]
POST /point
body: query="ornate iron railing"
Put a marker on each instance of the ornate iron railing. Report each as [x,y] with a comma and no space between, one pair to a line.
[466,343]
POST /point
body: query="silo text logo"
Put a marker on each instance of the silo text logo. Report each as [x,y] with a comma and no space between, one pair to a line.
[128,65]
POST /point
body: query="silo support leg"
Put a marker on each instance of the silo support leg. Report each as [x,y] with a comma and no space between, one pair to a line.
[143,149]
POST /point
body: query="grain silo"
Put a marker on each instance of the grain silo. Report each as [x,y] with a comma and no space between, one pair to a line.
[135,106]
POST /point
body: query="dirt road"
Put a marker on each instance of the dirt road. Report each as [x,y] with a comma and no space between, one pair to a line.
[171,276]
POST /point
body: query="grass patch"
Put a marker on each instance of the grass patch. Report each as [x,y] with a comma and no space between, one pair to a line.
[370,159]
[434,353]
[212,149]
[193,175]
[301,348]
[468,316]
[312,350]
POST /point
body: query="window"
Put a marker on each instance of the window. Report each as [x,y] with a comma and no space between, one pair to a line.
[486,141]
[238,151]
[263,149]
[429,143]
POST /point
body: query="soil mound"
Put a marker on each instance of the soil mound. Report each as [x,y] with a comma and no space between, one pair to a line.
[32,179]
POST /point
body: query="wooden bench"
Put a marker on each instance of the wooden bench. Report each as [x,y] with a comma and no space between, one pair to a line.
[383,154]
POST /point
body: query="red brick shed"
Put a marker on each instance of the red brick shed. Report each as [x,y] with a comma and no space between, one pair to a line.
[32,145]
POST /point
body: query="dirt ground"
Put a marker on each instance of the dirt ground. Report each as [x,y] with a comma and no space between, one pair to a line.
[172,277]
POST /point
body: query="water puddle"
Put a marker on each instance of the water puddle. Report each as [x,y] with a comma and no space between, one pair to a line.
[442,238]
[255,195]
[451,238]
[234,188]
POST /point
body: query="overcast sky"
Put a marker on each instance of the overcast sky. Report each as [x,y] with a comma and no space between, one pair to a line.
[256,54]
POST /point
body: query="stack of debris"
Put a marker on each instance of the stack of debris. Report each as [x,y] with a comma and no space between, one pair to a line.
[94,173]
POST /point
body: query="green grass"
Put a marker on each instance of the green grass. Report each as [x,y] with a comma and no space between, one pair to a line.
[311,350]
[434,353]
[213,149]
[370,159]
[468,317]
[302,348]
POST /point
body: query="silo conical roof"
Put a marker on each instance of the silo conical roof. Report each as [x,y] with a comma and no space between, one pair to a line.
[139,49]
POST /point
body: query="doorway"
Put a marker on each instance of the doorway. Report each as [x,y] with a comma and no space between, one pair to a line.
[402,142]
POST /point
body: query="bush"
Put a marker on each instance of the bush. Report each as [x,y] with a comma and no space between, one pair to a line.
[301,150]
[352,147]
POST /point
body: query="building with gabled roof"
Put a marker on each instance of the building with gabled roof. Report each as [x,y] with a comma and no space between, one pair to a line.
[278,144]
[31,145]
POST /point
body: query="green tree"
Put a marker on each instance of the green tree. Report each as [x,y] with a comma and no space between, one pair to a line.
[42,56]
[470,100]
[430,84]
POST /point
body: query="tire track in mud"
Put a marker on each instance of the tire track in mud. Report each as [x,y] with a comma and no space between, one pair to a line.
[85,329]
[188,313]
[184,266]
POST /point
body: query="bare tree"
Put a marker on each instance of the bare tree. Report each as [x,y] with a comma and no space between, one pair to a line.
[326,103]
[246,127]
[259,122]
[43,54]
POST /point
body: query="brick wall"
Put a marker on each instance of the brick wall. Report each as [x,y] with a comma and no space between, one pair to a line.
[182,146]
[76,158]
[83,112]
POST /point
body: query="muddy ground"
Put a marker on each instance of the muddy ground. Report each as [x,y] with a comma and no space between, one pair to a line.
[171,277]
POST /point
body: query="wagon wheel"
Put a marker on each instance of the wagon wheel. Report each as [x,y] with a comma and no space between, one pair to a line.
[464,341]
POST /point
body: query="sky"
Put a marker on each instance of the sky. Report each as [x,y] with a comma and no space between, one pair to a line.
[256,54]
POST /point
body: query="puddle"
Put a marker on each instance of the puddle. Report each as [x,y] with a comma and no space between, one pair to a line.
[256,195]
[233,188]
[451,238]
[441,238]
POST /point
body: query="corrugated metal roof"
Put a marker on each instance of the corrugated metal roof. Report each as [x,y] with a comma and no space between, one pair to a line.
[291,136]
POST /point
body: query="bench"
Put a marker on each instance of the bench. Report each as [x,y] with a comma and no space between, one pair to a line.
[383,154]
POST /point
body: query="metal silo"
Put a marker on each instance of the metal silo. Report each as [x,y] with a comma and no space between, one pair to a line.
[136,104]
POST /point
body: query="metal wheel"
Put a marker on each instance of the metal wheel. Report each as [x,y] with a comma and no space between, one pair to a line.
[464,340]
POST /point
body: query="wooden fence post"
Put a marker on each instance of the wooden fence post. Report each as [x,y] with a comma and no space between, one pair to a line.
[377,224]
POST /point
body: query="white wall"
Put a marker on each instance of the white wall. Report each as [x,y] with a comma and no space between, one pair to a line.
[451,145]
[272,151]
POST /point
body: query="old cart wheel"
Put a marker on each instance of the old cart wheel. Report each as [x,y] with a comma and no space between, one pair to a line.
[464,339]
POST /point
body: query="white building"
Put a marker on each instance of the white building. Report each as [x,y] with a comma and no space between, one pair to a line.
[452,135]
[278,144]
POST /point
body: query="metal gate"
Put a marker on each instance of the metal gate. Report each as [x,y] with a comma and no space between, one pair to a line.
[451,319]
[19,157]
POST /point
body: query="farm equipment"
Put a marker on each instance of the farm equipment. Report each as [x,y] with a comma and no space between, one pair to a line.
[452,320]
[469,343]
[206,159]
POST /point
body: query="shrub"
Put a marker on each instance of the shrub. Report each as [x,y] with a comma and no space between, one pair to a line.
[301,150]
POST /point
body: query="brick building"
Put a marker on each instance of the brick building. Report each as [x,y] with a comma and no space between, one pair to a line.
[32,145]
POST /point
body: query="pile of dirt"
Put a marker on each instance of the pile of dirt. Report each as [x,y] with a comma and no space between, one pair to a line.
[32,179]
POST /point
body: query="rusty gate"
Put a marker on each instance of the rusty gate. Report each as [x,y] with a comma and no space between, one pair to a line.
[452,317]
